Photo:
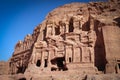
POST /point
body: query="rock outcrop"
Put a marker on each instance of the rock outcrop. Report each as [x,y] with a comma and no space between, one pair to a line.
[79,38]
[4,68]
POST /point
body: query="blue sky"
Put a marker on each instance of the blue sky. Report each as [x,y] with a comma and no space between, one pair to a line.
[19,18]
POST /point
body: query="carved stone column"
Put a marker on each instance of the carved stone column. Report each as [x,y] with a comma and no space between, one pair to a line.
[81,22]
[33,58]
[66,54]
[42,60]
[62,29]
[92,41]
[49,30]
[67,27]
[91,51]
[53,29]
[49,60]
[91,23]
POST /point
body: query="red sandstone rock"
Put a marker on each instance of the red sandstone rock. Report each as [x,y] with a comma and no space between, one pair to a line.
[75,38]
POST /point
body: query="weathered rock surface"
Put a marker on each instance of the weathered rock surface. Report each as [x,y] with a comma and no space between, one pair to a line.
[77,41]
[64,77]
[4,68]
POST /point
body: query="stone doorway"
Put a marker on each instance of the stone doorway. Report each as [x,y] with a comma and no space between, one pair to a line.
[38,63]
[70,59]
[45,63]
[60,64]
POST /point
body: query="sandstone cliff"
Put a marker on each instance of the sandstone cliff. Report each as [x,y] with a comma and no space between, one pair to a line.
[4,67]
[74,41]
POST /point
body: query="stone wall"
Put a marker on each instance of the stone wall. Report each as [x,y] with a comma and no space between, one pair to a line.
[112,47]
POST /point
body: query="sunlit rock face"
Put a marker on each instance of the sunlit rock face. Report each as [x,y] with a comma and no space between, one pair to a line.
[4,67]
[76,38]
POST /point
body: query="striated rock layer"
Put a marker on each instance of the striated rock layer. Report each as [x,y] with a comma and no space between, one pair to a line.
[4,67]
[80,38]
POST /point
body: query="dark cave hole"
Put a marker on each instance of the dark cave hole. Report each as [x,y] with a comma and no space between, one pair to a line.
[22,79]
[71,28]
[38,63]
[46,61]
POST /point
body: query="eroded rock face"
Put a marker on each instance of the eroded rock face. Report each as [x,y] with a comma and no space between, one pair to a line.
[4,68]
[74,37]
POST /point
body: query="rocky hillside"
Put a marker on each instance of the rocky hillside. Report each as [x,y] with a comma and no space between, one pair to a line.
[105,12]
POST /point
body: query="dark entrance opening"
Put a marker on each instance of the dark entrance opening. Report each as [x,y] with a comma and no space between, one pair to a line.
[38,63]
[57,30]
[21,69]
[44,32]
[60,62]
[45,65]
[71,28]
[70,60]
[61,65]
[119,66]
[22,79]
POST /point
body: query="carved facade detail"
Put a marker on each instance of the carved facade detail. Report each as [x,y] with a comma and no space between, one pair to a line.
[56,51]
[72,41]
